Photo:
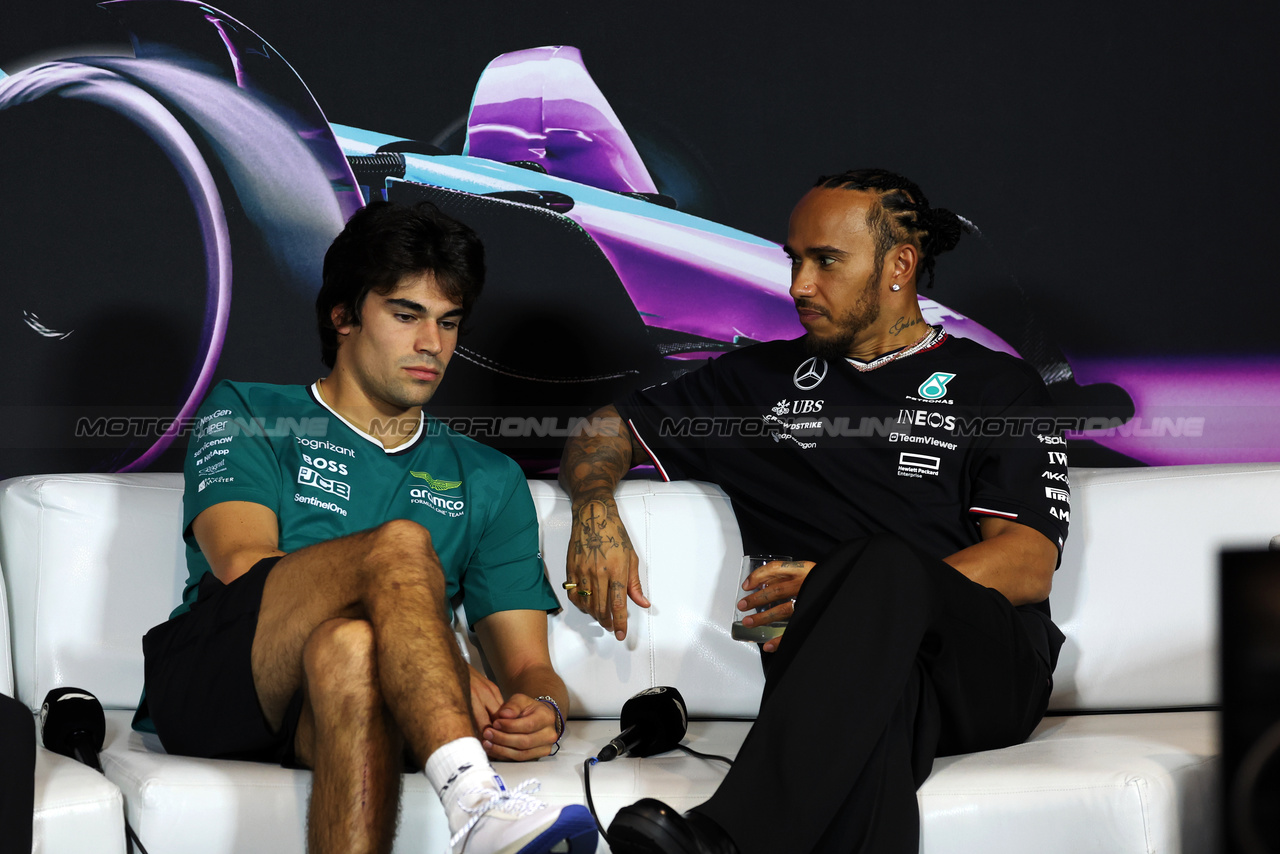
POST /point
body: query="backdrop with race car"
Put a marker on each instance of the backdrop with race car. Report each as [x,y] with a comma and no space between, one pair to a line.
[168,200]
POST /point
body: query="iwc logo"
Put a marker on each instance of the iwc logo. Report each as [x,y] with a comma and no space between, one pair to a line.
[811,372]
[936,386]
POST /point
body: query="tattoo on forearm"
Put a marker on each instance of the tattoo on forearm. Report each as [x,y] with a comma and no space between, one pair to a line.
[902,324]
[596,464]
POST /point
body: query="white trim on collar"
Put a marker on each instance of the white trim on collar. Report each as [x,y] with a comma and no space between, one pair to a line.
[422,419]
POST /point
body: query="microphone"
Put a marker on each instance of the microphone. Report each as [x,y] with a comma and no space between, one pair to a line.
[653,721]
[72,723]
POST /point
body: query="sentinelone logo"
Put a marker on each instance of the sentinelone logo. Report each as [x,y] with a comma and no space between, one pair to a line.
[316,502]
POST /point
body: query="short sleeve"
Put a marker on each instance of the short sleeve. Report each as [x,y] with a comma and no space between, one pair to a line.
[1020,471]
[506,572]
[227,458]
[654,416]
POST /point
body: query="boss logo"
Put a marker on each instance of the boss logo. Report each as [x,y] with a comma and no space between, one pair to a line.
[321,464]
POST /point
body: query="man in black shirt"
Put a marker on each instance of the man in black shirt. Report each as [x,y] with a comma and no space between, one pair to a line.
[921,479]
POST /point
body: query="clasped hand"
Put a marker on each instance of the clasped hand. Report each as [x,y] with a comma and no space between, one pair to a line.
[518,728]
[777,583]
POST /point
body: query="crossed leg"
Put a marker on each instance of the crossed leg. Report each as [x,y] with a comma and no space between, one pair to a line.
[359,625]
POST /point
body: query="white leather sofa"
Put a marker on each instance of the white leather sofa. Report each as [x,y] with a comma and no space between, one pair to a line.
[1126,762]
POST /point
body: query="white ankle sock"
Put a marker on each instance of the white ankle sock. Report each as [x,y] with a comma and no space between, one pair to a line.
[458,767]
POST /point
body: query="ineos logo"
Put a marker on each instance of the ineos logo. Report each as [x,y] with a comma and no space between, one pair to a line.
[811,372]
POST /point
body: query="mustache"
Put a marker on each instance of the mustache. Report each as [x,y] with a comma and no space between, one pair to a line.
[806,303]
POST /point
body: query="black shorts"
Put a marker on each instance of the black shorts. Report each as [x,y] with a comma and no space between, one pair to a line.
[199,677]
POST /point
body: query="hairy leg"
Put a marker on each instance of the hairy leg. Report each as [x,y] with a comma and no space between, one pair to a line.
[390,577]
[346,735]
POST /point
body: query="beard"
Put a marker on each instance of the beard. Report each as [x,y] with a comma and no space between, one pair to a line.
[837,343]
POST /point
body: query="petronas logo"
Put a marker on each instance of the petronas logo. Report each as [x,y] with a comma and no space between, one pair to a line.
[438,485]
[936,386]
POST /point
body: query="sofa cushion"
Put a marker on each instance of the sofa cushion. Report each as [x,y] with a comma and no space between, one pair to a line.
[1125,784]
[77,810]
[1137,591]
[6,649]
[92,561]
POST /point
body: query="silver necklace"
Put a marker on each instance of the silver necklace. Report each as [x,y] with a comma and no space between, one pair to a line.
[935,335]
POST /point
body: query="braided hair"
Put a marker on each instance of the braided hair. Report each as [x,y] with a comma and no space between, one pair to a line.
[903,215]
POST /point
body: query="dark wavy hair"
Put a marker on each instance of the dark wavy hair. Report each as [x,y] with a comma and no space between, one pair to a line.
[902,216]
[384,242]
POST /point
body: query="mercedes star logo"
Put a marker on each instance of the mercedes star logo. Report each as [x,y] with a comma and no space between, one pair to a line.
[811,372]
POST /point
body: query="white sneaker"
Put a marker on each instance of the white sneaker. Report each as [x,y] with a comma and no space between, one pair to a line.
[512,821]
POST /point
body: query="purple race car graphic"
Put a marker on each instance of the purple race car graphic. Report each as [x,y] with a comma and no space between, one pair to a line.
[598,283]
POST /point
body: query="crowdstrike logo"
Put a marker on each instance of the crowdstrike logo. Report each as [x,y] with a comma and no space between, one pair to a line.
[811,372]
[936,386]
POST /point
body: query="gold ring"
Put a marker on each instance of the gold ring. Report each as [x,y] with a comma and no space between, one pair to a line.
[568,585]
[583,592]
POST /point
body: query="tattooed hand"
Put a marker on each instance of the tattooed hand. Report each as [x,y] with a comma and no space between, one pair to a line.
[603,565]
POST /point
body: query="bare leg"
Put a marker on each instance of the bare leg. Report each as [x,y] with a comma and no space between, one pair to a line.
[390,577]
[347,736]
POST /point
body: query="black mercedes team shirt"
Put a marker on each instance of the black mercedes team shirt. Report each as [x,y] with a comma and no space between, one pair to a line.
[815,452]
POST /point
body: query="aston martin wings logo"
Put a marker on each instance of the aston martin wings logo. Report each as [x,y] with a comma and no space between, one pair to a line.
[438,485]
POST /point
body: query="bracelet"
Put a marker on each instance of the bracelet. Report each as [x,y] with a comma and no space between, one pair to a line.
[555,707]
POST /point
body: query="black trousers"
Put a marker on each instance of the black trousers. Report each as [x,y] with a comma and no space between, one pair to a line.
[18,777]
[892,658]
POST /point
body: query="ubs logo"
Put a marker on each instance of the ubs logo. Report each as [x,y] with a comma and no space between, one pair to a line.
[811,372]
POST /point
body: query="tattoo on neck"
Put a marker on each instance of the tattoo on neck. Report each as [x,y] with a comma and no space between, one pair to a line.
[903,324]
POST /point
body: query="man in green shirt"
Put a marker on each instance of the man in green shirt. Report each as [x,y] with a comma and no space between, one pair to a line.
[329,529]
